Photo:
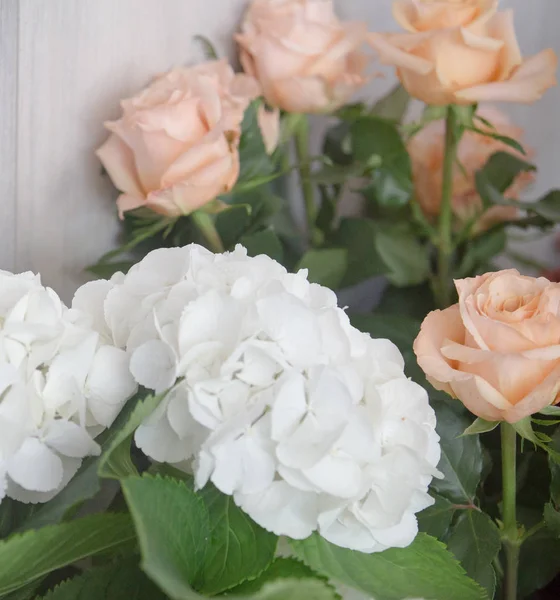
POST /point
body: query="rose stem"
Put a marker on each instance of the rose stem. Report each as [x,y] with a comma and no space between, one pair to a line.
[510,535]
[446,212]
[302,151]
[205,225]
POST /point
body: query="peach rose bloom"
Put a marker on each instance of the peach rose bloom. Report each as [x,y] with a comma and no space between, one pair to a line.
[466,65]
[425,15]
[426,151]
[175,148]
[498,349]
[305,58]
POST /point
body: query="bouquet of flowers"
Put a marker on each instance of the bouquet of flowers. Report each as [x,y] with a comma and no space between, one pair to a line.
[204,419]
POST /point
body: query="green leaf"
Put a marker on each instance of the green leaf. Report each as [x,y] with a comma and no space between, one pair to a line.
[338,144]
[480,251]
[554,467]
[461,457]
[392,106]
[281,568]
[539,562]
[552,519]
[550,411]
[406,258]
[29,556]
[378,143]
[254,160]
[481,426]
[512,143]
[112,582]
[105,270]
[336,174]
[525,429]
[263,242]
[295,589]
[238,548]
[502,169]
[475,541]
[173,530]
[84,485]
[547,207]
[116,462]
[357,236]
[415,301]
[425,569]
[436,519]
[232,223]
[207,46]
[326,266]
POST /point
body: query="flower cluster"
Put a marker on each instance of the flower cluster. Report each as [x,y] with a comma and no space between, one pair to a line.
[61,384]
[307,422]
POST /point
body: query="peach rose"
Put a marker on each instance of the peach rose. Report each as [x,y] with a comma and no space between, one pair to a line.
[498,349]
[305,58]
[175,148]
[425,15]
[465,65]
[426,151]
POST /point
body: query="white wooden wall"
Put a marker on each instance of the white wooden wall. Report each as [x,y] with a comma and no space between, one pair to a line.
[64,66]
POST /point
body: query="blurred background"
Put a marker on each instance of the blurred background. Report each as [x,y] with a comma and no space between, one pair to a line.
[65,65]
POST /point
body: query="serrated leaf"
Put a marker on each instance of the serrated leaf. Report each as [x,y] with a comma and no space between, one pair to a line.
[393,105]
[173,530]
[238,548]
[475,541]
[436,519]
[406,258]
[281,568]
[461,457]
[326,266]
[423,569]
[263,242]
[552,519]
[480,426]
[112,582]
[295,589]
[29,556]
[357,236]
[232,222]
[116,462]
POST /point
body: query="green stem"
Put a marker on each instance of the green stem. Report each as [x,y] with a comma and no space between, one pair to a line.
[205,225]
[302,151]
[511,537]
[446,211]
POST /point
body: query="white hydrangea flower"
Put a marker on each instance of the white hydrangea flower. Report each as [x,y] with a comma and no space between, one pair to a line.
[60,385]
[308,423]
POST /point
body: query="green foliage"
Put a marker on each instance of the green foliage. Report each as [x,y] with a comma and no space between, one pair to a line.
[326,266]
[425,569]
[111,582]
[461,457]
[116,462]
[481,426]
[436,519]
[263,242]
[480,251]
[475,541]
[539,562]
[173,526]
[238,549]
[357,237]
[280,568]
[254,160]
[407,259]
[29,556]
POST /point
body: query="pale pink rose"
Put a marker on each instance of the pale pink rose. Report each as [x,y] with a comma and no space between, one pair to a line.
[466,65]
[425,15]
[175,148]
[426,151]
[498,349]
[305,58]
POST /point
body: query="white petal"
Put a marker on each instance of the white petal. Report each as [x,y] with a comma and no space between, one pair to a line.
[158,441]
[282,509]
[35,467]
[341,477]
[153,365]
[109,384]
[15,491]
[70,439]
[90,299]
[290,405]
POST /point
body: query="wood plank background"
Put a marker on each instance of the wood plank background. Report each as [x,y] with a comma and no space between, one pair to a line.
[64,66]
